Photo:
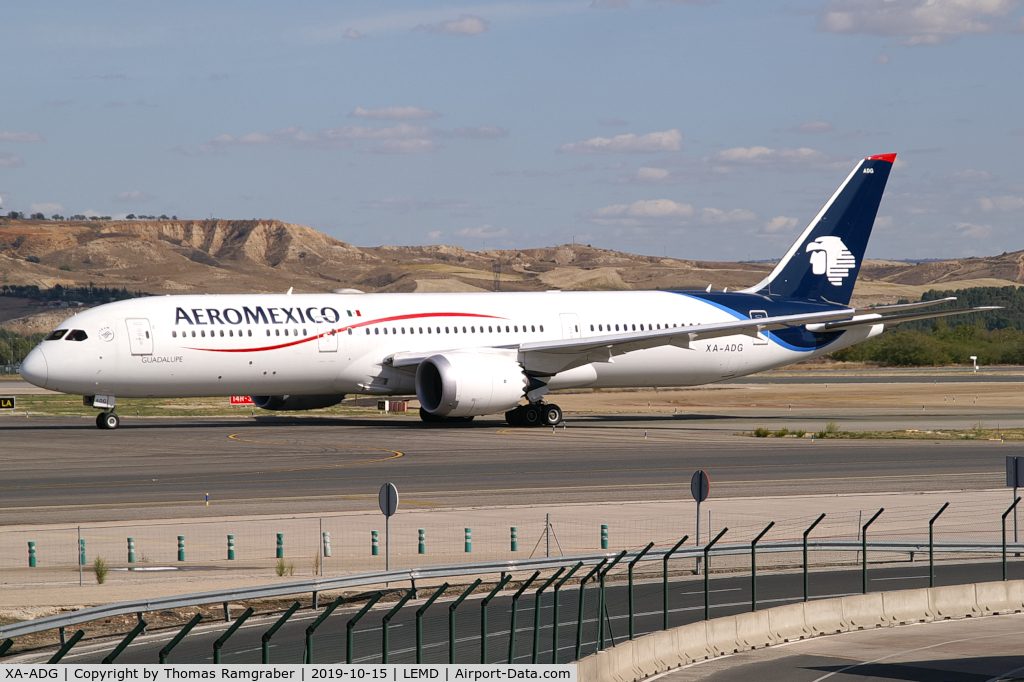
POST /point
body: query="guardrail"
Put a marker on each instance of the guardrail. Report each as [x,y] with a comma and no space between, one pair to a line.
[502,567]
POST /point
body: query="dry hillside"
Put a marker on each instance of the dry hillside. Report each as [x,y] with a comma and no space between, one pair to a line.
[221,256]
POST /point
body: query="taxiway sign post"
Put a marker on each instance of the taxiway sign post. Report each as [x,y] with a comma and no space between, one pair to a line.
[1014,479]
[700,488]
[388,502]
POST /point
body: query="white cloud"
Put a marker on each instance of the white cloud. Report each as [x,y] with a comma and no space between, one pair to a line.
[970,175]
[45,207]
[717,216]
[133,197]
[922,22]
[436,234]
[352,34]
[801,156]
[780,223]
[20,137]
[481,132]
[394,113]
[638,211]
[465,25]
[1004,204]
[813,127]
[10,160]
[973,231]
[483,232]
[651,175]
[664,141]
[404,147]
[883,59]
[884,222]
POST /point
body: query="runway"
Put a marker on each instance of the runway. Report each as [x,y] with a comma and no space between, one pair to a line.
[62,469]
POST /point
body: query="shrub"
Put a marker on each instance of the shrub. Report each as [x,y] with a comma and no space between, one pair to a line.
[762,432]
[281,568]
[65,268]
[99,567]
[33,259]
[799,433]
[781,433]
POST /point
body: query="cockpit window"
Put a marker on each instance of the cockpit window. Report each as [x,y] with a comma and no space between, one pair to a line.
[76,335]
[55,334]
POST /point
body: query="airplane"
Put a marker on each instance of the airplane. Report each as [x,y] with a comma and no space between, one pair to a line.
[470,354]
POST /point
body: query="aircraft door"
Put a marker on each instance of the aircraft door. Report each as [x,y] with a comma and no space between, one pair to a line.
[327,340]
[570,326]
[762,338]
[140,335]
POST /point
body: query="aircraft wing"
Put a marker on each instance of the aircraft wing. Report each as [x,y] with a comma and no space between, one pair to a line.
[892,320]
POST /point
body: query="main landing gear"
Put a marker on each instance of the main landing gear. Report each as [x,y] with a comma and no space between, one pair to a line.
[534,414]
[107,420]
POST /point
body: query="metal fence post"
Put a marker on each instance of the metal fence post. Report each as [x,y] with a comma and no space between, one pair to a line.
[136,631]
[308,654]
[7,644]
[864,551]
[602,606]
[931,546]
[707,573]
[451,619]
[265,640]
[419,621]
[351,624]
[483,616]
[166,651]
[67,647]
[1005,514]
[386,622]
[217,645]
[664,582]
[580,605]
[753,566]
[536,611]
[806,533]
[633,563]
[514,615]
[554,623]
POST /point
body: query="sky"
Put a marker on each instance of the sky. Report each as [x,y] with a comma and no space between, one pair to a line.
[688,129]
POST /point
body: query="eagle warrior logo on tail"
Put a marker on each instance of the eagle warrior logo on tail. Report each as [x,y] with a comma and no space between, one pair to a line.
[830,257]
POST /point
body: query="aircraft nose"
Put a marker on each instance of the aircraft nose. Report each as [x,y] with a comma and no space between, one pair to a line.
[33,368]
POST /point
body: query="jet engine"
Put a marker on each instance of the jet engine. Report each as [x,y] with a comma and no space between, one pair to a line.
[467,384]
[291,403]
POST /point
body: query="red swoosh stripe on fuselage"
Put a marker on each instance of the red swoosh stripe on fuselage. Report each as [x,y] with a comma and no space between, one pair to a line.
[341,329]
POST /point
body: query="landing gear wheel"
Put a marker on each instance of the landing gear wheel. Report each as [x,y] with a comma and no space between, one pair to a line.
[531,415]
[552,415]
[514,417]
[107,421]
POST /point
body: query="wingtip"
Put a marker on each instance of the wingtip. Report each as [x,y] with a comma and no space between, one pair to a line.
[891,158]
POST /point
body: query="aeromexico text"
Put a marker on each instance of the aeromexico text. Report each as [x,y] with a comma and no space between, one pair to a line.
[257,315]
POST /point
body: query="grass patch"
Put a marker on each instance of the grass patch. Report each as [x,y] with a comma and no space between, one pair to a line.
[99,567]
[977,432]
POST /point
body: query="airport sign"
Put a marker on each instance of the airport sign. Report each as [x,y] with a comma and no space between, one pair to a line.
[700,486]
[388,499]
[8,402]
[241,400]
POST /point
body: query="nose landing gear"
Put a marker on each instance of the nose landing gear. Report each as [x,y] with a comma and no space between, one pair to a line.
[534,414]
[107,420]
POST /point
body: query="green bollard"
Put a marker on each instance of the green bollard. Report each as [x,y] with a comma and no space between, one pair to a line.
[515,539]
[469,540]
[280,546]
[181,549]
[81,552]
[374,544]
[131,550]
[231,548]
[423,541]
[604,536]
[31,555]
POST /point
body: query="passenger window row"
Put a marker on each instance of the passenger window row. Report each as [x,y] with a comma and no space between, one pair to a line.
[491,329]
[632,327]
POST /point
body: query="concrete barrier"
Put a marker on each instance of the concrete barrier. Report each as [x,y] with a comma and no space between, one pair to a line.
[786,623]
[753,630]
[662,651]
[722,635]
[953,601]
[825,617]
[995,598]
[906,606]
[864,611]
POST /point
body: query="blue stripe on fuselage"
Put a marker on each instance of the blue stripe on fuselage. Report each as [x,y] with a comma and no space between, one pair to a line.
[794,338]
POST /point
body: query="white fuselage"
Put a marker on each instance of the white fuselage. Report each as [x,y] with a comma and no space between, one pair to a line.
[320,344]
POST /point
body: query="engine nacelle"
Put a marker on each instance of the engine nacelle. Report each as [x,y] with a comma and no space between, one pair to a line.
[291,403]
[467,384]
